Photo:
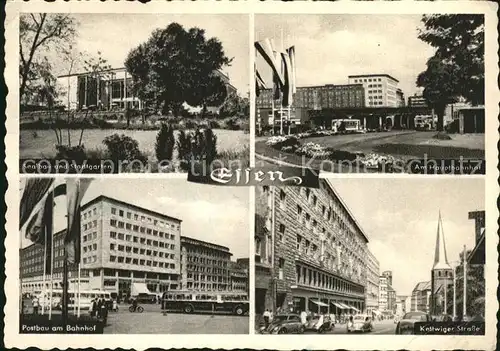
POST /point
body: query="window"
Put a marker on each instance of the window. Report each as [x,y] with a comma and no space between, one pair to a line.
[112,235]
[112,246]
[120,213]
[281,265]
[113,210]
[299,213]
[112,222]
[282,200]
[315,200]
[136,217]
[281,232]
[129,215]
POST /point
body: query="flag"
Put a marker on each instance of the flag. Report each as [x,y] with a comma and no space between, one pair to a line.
[75,188]
[288,88]
[259,83]
[34,192]
[59,190]
[265,48]
[291,54]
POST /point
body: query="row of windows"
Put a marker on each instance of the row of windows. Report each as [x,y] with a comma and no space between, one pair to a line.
[90,225]
[91,259]
[207,252]
[311,277]
[372,103]
[144,241]
[143,218]
[90,236]
[375,91]
[141,262]
[208,278]
[367,80]
[378,97]
[141,251]
[203,269]
[374,85]
[208,287]
[139,229]
[89,213]
[202,260]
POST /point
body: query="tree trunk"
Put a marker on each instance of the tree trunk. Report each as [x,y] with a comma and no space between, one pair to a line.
[440,117]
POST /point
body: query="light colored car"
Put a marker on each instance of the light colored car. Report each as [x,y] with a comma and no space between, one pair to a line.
[360,323]
[284,324]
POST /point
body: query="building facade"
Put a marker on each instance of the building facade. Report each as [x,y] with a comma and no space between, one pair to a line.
[382,297]
[311,251]
[108,90]
[391,299]
[381,90]
[372,282]
[421,297]
[417,101]
[388,277]
[239,276]
[204,266]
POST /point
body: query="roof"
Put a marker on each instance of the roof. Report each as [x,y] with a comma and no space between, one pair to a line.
[422,286]
[356,223]
[373,75]
[477,256]
[192,241]
[440,256]
[127,204]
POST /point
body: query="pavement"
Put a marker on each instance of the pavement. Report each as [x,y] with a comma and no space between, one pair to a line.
[152,321]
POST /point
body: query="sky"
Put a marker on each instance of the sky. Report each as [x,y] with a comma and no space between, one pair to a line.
[329,48]
[208,213]
[115,35]
[400,218]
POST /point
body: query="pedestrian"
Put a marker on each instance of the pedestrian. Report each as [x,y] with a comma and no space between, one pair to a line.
[266,316]
[303,317]
[94,307]
[36,305]
[115,305]
[104,312]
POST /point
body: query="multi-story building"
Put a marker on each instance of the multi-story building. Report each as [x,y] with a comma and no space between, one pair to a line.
[204,266]
[391,299]
[388,277]
[239,276]
[311,251]
[421,297]
[381,90]
[372,282]
[382,297]
[109,89]
[400,98]
[32,260]
[123,248]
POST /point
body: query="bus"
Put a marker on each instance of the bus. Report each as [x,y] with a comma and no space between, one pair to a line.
[86,296]
[205,302]
[346,125]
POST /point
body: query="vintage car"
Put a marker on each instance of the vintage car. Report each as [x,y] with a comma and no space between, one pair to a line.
[407,323]
[319,324]
[284,324]
[360,323]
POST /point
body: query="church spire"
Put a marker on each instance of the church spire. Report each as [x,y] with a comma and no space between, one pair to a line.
[440,259]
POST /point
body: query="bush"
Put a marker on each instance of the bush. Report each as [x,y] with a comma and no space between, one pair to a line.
[196,146]
[123,148]
[184,149]
[165,141]
[76,153]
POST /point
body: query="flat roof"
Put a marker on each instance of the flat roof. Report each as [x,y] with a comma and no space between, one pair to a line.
[139,208]
[193,241]
[373,75]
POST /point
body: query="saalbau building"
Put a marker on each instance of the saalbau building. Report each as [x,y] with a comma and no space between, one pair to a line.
[107,90]
[204,266]
[310,251]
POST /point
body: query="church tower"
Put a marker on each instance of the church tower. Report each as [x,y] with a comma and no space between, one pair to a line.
[442,273]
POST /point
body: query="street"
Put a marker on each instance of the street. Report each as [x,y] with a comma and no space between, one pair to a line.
[152,321]
[387,327]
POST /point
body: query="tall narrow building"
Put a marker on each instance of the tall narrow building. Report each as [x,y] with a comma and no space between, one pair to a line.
[441,275]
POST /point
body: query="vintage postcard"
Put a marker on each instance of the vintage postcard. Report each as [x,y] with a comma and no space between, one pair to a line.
[216,174]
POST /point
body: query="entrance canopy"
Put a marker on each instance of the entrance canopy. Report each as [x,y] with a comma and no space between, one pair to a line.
[319,303]
[139,288]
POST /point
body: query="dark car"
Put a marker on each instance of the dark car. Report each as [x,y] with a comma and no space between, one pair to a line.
[285,324]
[407,323]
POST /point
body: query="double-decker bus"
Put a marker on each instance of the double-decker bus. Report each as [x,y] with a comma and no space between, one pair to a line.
[205,302]
[86,297]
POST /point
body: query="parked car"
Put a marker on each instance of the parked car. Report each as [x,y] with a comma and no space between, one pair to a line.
[407,323]
[284,324]
[319,324]
[360,323]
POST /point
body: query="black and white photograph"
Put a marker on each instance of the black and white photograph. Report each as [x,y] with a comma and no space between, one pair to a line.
[369,93]
[151,91]
[370,256]
[97,258]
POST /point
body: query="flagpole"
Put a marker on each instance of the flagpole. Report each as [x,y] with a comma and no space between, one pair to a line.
[51,256]
[65,272]
[44,269]
[454,293]
[464,307]
[281,94]
[78,312]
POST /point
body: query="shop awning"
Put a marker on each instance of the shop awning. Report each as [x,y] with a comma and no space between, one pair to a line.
[319,303]
[336,304]
[353,308]
[139,288]
[343,306]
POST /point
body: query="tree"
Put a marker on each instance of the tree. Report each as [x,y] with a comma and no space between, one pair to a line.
[39,32]
[165,141]
[175,66]
[457,67]
[440,82]
[235,105]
